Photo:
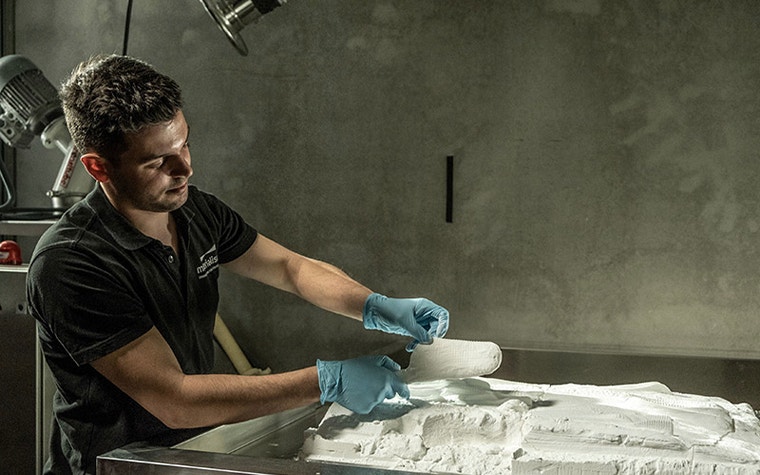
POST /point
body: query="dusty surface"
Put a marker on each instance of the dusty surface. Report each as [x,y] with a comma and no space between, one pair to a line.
[482,426]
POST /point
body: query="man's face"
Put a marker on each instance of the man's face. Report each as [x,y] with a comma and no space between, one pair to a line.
[152,174]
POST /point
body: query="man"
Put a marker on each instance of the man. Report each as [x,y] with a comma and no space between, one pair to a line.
[126,313]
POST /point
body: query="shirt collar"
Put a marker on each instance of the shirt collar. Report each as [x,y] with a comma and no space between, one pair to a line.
[119,227]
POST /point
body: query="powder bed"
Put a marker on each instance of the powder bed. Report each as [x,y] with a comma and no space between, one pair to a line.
[488,426]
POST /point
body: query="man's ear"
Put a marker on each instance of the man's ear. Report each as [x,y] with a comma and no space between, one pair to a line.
[96,166]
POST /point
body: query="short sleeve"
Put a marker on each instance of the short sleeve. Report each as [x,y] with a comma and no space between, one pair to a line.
[235,235]
[90,306]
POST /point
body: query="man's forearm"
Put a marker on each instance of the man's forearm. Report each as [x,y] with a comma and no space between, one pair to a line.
[328,287]
[215,399]
[317,282]
[148,372]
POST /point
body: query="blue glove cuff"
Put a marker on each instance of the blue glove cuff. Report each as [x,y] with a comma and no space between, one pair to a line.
[369,318]
[328,373]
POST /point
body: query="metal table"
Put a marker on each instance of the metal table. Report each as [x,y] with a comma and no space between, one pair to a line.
[266,445]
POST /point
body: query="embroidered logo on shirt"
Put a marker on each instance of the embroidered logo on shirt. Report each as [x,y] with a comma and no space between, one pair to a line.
[209,263]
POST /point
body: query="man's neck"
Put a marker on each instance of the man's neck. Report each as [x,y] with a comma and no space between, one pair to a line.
[157,225]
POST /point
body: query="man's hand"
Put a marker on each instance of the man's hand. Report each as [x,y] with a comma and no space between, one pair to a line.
[419,318]
[360,384]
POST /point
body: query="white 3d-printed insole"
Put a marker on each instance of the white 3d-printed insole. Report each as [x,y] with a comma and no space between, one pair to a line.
[452,359]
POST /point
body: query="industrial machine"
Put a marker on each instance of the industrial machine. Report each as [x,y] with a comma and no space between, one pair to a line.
[29,106]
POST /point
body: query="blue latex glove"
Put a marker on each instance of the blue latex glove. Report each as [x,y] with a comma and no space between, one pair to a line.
[360,384]
[420,319]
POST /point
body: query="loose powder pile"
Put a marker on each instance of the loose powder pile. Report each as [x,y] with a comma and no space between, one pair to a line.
[488,426]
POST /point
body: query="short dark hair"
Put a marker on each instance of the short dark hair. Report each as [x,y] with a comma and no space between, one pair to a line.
[109,96]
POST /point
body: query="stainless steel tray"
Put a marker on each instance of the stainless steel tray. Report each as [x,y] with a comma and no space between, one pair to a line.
[266,445]
[277,436]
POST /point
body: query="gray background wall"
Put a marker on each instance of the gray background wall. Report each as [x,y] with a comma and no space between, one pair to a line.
[606,160]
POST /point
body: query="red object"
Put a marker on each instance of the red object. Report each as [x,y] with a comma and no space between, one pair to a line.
[10,253]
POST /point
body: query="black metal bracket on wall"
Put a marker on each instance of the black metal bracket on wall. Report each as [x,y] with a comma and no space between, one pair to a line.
[450,189]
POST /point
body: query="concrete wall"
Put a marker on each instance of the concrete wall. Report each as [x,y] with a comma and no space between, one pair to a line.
[606,160]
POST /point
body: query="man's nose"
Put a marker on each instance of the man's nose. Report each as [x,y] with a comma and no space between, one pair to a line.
[180,166]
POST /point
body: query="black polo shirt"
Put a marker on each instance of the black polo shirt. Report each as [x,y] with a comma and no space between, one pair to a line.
[96,283]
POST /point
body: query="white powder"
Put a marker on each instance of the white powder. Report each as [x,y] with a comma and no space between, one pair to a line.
[487,426]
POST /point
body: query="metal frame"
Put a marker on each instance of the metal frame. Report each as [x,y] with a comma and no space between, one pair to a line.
[8,46]
[136,459]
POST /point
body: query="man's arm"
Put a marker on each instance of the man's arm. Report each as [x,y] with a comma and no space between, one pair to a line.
[147,371]
[331,289]
[317,282]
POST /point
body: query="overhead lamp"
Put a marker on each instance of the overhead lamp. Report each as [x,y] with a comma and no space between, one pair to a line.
[231,16]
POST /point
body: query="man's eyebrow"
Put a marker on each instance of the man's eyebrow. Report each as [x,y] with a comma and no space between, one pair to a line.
[153,157]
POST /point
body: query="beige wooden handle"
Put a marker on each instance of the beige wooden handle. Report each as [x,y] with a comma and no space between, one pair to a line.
[233,351]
